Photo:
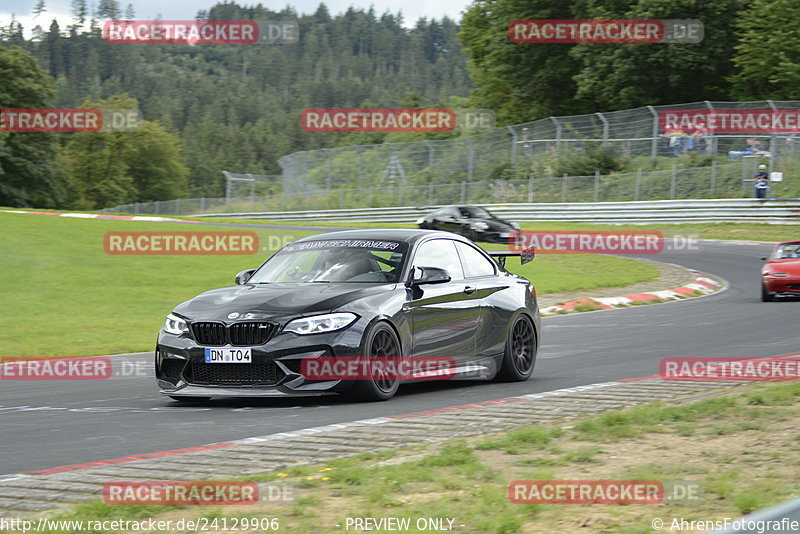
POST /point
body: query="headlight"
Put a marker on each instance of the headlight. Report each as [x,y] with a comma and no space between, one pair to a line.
[421,220]
[779,274]
[175,325]
[480,225]
[320,323]
[515,226]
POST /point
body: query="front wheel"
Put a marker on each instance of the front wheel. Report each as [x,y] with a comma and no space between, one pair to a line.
[766,296]
[381,346]
[520,354]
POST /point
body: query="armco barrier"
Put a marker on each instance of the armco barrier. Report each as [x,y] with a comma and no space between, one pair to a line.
[783,211]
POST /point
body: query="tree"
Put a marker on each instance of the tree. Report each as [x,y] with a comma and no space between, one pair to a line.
[79,11]
[112,167]
[623,76]
[26,159]
[520,82]
[767,57]
[108,9]
[39,8]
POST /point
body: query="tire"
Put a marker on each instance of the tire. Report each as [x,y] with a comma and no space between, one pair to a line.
[380,342]
[766,296]
[190,400]
[519,357]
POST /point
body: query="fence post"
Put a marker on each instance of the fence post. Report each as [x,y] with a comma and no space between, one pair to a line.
[713,178]
[638,183]
[654,142]
[202,204]
[430,194]
[596,185]
[463,192]
[513,145]
[157,209]
[178,207]
[471,161]
[530,187]
[558,132]
[672,181]
[605,127]
[136,209]
[564,188]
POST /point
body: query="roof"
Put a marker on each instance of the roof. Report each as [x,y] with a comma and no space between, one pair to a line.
[407,235]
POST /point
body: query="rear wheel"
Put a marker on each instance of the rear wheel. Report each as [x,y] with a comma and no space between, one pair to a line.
[520,353]
[766,296]
[381,344]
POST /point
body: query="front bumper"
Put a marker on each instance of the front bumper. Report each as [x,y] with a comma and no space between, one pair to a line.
[181,370]
[782,284]
[492,236]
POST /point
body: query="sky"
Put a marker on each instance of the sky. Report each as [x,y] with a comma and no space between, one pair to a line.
[187,9]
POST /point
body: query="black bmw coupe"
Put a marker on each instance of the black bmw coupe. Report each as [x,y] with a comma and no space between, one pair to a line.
[393,297]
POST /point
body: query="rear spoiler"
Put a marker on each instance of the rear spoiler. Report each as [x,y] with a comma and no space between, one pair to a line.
[525,255]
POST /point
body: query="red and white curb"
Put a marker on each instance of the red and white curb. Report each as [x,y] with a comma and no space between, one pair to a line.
[101,216]
[702,285]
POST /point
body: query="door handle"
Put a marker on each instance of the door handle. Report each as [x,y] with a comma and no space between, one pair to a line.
[469,290]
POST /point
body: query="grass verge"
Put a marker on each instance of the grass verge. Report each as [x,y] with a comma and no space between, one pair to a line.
[67,297]
[742,449]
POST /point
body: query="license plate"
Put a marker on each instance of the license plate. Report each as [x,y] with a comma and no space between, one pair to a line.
[229,355]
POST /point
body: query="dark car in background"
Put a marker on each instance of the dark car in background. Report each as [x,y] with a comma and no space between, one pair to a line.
[396,295]
[780,275]
[473,222]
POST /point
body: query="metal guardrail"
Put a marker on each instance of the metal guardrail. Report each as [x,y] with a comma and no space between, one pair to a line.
[776,211]
[783,517]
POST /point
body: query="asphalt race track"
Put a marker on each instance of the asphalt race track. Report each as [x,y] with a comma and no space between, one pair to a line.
[52,423]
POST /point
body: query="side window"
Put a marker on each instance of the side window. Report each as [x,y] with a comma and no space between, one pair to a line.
[440,253]
[475,263]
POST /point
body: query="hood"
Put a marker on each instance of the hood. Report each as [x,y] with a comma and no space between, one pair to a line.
[273,301]
[783,265]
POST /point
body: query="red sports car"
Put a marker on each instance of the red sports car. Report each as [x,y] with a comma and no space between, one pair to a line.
[781,273]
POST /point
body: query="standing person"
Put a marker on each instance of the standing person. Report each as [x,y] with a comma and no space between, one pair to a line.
[761,182]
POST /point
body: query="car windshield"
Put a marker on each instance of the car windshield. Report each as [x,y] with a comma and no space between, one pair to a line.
[474,212]
[325,261]
[787,250]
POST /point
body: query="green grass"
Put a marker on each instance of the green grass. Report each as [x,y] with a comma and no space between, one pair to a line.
[66,297]
[731,231]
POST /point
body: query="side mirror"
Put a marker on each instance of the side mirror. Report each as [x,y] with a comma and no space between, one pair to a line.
[244,276]
[764,258]
[429,275]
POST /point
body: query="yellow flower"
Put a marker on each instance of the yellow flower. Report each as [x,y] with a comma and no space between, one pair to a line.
[326,469]
[309,478]
[282,475]
[326,478]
